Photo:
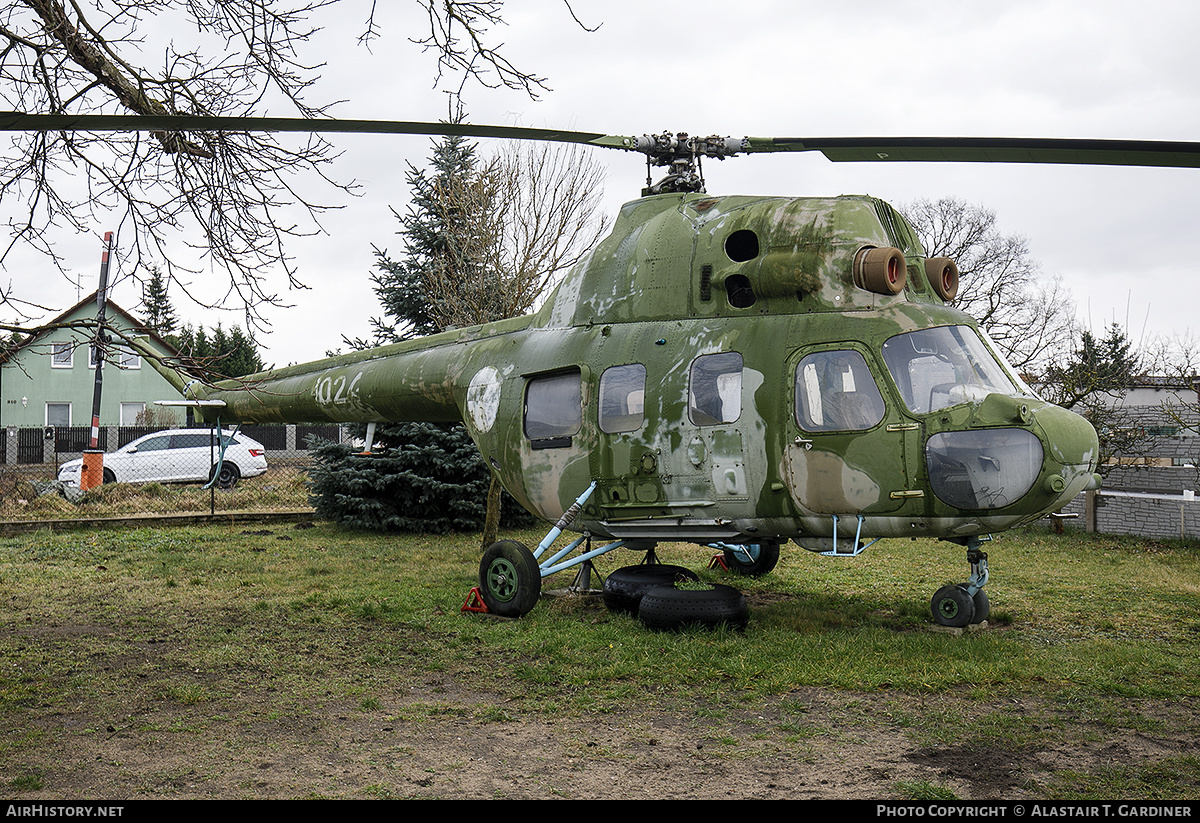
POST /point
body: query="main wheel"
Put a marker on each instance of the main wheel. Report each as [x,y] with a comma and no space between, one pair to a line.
[952,606]
[109,476]
[624,588]
[509,579]
[228,476]
[762,559]
[668,608]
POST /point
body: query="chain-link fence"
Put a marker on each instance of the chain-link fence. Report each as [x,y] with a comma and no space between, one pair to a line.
[150,470]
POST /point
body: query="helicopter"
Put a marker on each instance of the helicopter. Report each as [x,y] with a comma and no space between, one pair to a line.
[737,372]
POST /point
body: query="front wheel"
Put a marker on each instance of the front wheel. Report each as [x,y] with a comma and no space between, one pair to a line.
[983,606]
[509,579]
[952,606]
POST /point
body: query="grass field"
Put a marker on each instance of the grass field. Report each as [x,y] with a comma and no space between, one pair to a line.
[234,662]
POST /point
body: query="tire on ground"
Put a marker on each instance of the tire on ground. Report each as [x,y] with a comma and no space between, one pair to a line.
[952,606]
[668,608]
[510,581]
[623,588]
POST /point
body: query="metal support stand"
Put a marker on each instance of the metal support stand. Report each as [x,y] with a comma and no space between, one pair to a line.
[551,565]
[857,549]
[582,584]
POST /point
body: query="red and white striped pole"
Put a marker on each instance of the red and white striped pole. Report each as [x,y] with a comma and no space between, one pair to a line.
[93,457]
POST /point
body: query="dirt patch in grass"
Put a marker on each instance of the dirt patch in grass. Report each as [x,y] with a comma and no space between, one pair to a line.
[142,724]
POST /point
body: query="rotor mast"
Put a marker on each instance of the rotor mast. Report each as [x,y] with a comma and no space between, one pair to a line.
[681,154]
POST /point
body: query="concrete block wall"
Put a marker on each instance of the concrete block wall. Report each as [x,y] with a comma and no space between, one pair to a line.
[1140,515]
[1158,500]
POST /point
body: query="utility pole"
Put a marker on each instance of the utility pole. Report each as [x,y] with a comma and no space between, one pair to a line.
[93,457]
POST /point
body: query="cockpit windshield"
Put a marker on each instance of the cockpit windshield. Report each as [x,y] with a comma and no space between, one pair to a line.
[944,366]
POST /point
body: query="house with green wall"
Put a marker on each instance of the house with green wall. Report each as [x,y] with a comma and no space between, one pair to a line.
[49,379]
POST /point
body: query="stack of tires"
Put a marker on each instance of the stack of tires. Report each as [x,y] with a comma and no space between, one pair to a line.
[670,598]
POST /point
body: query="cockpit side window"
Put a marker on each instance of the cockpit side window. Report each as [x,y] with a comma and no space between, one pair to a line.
[623,398]
[835,392]
[715,389]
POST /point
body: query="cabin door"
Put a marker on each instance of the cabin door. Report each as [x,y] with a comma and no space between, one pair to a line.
[848,453]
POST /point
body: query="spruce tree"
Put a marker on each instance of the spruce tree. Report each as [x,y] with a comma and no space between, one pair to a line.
[1093,380]
[423,477]
[159,313]
[223,353]
[432,232]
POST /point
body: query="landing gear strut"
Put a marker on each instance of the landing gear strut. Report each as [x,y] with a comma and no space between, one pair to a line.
[960,604]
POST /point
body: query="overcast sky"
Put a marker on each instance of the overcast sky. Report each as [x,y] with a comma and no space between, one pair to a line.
[1120,238]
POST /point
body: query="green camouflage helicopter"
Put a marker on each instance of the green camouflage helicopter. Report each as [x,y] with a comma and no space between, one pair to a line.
[737,372]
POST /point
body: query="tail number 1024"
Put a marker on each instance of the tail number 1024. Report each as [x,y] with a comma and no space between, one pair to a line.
[335,390]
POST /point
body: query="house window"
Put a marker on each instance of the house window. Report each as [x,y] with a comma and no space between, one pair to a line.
[62,355]
[130,412]
[58,414]
[128,359]
[120,356]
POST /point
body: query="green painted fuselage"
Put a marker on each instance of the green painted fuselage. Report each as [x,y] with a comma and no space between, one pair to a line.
[695,367]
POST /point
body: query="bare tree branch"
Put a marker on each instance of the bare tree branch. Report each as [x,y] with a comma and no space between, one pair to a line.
[532,215]
[231,195]
[1028,315]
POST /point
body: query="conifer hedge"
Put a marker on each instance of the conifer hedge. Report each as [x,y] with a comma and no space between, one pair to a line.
[427,477]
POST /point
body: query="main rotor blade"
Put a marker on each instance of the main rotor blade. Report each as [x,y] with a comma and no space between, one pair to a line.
[18,121]
[987,150]
[837,149]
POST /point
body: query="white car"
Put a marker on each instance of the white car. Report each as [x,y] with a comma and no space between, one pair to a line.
[177,456]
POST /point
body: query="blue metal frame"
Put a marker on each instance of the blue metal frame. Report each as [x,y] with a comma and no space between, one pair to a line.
[857,536]
[745,552]
[551,565]
[748,553]
[979,567]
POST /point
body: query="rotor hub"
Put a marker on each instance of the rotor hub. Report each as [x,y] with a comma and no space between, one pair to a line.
[680,154]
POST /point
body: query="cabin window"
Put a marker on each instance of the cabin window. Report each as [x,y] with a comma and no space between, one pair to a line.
[835,392]
[983,469]
[943,366]
[623,398]
[553,408]
[715,389]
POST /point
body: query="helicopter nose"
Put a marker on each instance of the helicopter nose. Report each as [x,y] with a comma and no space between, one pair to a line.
[1017,455]
[1072,453]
